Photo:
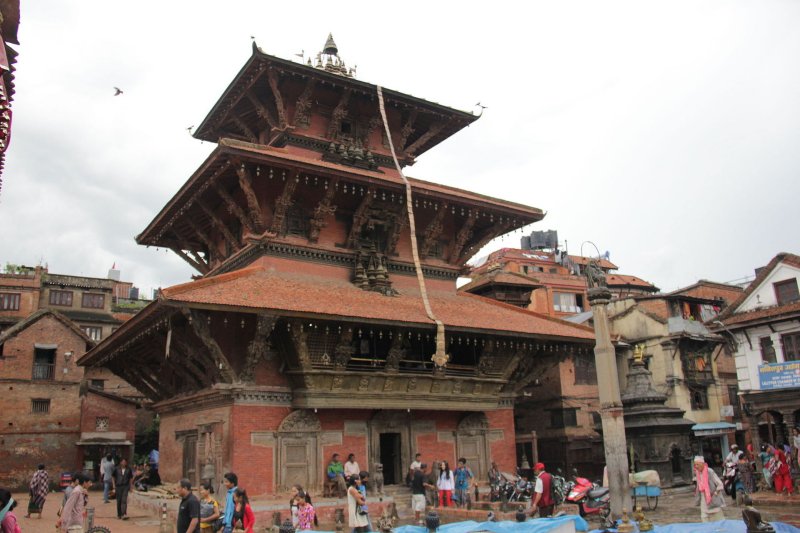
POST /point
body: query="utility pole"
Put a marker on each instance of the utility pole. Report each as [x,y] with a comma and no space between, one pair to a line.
[611,413]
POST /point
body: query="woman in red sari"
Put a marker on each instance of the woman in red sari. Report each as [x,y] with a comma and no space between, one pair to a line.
[781,476]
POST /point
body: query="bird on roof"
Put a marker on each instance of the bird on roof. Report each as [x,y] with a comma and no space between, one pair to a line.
[302,54]
[117,91]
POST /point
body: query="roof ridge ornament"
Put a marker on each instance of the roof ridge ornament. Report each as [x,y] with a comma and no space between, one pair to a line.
[328,59]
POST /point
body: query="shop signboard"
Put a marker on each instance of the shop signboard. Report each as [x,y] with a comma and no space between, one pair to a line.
[779,375]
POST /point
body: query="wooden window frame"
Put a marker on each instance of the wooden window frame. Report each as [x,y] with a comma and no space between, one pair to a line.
[780,291]
[61,298]
[9,301]
[791,349]
[88,297]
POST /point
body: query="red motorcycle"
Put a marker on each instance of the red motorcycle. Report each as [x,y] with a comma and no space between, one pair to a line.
[589,497]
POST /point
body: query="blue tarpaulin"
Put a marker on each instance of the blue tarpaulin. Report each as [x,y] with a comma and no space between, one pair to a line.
[538,525]
[722,526]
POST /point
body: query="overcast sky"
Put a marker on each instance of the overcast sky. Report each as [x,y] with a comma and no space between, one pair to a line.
[665,132]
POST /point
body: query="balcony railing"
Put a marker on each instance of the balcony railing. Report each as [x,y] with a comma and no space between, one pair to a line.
[43,372]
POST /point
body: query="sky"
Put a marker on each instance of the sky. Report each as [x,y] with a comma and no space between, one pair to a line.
[667,133]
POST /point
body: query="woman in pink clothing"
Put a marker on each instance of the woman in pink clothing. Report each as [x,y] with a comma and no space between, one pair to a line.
[8,520]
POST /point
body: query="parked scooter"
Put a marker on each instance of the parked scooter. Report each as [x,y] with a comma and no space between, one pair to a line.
[589,497]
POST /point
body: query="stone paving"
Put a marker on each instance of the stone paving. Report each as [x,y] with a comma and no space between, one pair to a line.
[674,506]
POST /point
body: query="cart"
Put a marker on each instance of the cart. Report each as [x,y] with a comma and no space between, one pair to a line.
[648,493]
[646,486]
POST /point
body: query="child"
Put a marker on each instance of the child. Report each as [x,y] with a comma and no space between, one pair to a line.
[305,512]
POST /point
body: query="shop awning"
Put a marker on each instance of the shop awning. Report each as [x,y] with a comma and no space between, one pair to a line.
[709,429]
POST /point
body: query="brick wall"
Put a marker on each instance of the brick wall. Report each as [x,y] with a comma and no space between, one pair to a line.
[18,352]
[170,446]
[27,439]
[254,464]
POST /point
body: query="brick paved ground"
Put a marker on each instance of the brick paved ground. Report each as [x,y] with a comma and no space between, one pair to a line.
[674,506]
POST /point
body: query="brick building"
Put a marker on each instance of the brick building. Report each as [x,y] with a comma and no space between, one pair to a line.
[52,408]
[550,282]
[307,333]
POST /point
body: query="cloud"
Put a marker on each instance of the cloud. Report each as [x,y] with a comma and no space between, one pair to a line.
[665,133]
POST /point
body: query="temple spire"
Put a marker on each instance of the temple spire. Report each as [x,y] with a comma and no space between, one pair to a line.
[328,59]
[330,46]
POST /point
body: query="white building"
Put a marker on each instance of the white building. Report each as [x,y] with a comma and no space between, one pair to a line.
[765,323]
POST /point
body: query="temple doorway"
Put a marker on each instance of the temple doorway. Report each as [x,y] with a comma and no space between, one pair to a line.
[390,455]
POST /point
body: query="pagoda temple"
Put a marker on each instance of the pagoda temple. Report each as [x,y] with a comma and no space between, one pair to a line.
[306,331]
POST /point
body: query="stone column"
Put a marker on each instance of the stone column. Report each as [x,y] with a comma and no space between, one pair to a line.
[610,404]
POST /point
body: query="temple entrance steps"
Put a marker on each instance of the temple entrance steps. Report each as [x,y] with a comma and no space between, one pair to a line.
[401,495]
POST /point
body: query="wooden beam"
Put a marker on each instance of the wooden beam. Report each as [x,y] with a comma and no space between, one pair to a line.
[244,128]
[434,230]
[272,78]
[464,234]
[339,113]
[360,217]
[324,208]
[199,356]
[302,115]
[425,137]
[244,89]
[246,183]
[284,202]
[221,226]
[233,207]
[201,329]
[124,372]
[406,130]
[198,265]
[259,346]
[488,234]
[400,221]
[182,362]
[261,110]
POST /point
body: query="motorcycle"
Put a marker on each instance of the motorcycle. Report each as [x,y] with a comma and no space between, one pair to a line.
[589,497]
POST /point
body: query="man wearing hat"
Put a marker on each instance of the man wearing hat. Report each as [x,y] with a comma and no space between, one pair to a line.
[543,499]
[708,491]
[733,456]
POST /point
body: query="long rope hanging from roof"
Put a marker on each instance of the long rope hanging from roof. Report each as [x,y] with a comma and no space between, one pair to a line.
[440,357]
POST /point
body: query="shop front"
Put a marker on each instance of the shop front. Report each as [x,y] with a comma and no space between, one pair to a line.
[712,440]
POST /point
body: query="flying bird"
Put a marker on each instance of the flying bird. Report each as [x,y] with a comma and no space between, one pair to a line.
[189,129]
[117,91]
[481,106]
[302,54]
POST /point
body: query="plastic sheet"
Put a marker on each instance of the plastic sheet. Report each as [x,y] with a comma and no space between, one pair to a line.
[722,526]
[538,525]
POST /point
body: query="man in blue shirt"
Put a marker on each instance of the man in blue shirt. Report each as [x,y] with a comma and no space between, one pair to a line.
[230,481]
[463,475]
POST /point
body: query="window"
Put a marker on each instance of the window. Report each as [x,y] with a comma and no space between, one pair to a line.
[40,406]
[791,346]
[786,291]
[98,384]
[562,418]
[553,270]
[61,298]
[699,397]
[733,397]
[44,363]
[101,423]
[9,301]
[767,350]
[585,373]
[93,332]
[94,301]
[346,127]
[565,302]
